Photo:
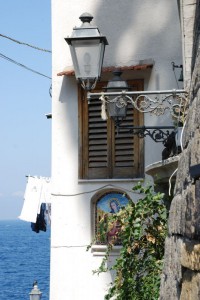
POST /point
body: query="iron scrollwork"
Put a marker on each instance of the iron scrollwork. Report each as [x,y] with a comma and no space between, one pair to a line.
[158,105]
[174,101]
[158,134]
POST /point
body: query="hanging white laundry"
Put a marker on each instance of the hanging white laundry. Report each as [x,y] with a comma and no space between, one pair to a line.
[32,199]
[48,213]
[46,190]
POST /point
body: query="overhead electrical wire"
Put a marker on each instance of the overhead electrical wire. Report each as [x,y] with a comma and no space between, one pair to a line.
[23,66]
[22,43]
[19,64]
[95,190]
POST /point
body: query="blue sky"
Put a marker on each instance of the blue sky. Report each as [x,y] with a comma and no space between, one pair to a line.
[25,133]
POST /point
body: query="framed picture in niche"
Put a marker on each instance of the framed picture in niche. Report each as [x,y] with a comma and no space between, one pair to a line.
[109,203]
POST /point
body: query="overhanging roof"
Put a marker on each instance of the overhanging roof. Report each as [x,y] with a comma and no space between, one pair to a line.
[139,67]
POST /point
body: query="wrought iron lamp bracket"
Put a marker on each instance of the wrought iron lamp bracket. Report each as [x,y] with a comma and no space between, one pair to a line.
[157,133]
[174,101]
[171,100]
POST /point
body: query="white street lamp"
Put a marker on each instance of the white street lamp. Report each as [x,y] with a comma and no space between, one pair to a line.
[35,294]
[87,48]
[117,109]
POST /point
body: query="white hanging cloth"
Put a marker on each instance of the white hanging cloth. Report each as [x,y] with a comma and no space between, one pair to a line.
[37,191]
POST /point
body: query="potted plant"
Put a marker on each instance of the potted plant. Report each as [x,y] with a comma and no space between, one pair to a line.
[178,116]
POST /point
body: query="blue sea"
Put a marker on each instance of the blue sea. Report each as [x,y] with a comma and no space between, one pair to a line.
[24,258]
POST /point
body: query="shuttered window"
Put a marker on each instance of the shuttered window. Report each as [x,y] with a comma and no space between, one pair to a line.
[105,153]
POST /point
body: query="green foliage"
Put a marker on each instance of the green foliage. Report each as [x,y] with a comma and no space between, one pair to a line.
[143,228]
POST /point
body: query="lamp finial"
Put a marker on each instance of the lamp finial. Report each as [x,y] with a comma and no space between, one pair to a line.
[86,17]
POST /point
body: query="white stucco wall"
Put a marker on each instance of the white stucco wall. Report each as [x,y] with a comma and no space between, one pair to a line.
[136,30]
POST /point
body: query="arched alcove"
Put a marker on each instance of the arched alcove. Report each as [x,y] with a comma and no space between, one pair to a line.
[103,203]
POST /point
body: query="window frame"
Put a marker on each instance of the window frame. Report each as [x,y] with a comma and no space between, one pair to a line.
[83,138]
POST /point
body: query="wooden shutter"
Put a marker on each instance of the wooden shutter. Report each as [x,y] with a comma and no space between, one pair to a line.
[105,153]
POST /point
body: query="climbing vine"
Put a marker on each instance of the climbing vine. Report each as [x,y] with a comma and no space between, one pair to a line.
[143,228]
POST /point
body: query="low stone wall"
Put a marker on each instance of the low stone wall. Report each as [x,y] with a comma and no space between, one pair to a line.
[181,274]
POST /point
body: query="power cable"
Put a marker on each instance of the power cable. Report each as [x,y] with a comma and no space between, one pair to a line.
[95,190]
[22,43]
[50,91]
[23,66]
[70,246]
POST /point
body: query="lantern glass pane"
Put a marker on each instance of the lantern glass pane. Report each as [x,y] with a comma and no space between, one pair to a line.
[115,111]
[35,297]
[87,58]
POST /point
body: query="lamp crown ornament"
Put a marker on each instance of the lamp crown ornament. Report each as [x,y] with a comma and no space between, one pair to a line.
[117,83]
[35,283]
[86,18]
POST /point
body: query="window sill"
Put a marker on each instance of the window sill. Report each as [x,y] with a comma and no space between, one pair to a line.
[100,250]
[111,180]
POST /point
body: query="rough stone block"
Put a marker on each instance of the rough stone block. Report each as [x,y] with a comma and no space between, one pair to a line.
[188,61]
[190,286]
[190,255]
[184,215]
[183,177]
[195,157]
[189,10]
[187,81]
[196,88]
[188,23]
[172,271]
[197,209]
[176,222]
[192,212]
[188,2]
[170,289]
[188,132]
[188,48]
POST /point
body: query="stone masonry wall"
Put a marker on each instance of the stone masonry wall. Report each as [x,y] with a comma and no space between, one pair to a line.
[181,274]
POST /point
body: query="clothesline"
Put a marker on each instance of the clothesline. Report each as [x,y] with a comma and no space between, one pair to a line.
[39,177]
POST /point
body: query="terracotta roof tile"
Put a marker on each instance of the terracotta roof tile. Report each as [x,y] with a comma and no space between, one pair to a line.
[112,68]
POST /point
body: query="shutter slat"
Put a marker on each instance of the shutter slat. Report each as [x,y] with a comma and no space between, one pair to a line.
[96,131]
[96,115]
[98,136]
[97,142]
[96,159]
[123,164]
[123,147]
[97,153]
[99,148]
[96,125]
[123,135]
[97,164]
[124,152]
[125,142]
[123,158]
